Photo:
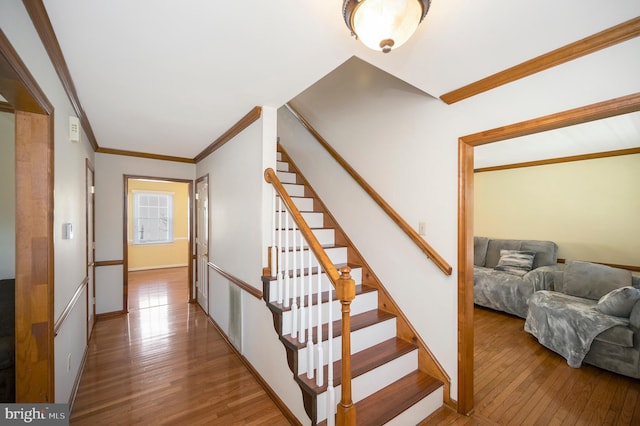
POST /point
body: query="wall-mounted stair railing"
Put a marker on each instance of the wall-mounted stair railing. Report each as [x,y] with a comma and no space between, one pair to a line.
[393,215]
[298,260]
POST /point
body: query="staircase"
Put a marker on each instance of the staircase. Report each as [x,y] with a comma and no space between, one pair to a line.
[389,383]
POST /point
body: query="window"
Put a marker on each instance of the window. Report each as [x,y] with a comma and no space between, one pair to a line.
[152,217]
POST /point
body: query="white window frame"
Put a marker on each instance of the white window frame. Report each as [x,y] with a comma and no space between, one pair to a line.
[153,213]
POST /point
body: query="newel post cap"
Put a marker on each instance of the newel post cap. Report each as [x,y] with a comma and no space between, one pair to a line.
[346,286]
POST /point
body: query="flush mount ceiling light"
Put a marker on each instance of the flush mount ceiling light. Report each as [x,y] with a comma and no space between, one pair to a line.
[384,24]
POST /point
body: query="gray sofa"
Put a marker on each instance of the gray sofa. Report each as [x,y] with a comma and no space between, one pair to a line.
[590,314]
[507,286]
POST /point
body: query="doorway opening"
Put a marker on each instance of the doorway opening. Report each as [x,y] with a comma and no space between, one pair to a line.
[157,242]
[466,145]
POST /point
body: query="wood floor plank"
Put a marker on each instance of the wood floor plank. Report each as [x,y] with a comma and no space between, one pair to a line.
[164,363]
[520,382]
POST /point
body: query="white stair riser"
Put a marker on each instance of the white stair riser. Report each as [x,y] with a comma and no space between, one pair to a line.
[362,303]
[420,410]
[337,255]
[374,380]
[360,340]
[286,177]
[282,166]
[278,156]
[313,219]
[294,190]
[325,237]
[356,274]
[303,204]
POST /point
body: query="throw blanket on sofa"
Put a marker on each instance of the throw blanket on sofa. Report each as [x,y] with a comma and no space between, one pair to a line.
[566,324]
[506,292]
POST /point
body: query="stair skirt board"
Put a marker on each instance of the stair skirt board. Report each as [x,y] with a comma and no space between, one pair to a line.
[372,381]
[356,274]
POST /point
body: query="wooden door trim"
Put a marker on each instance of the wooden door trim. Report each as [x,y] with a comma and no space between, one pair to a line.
[195,211]
[125,239]
[466,144]
[90,241]
[34,232]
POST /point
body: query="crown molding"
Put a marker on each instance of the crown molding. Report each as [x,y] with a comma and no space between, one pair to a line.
[581,157]
[242,124]
[40,18]
[18,85]
[161,157]
[609,37]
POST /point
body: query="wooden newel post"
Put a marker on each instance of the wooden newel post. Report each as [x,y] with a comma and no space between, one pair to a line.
[346,292]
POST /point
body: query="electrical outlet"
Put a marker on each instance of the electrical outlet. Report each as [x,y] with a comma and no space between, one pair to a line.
[68,362]
[422,229]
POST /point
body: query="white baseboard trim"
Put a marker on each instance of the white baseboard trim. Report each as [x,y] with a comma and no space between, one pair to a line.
[147,268]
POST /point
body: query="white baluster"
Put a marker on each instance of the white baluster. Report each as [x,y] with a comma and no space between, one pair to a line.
[303,318]
[294,284]
[286,259]
[280,264]
[320,375]
[310,351]
[274,248]
[331,393]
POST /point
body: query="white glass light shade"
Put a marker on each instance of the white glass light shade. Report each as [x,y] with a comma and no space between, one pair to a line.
[386,24]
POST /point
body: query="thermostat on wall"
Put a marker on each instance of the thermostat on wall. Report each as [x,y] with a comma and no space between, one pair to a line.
[67,231]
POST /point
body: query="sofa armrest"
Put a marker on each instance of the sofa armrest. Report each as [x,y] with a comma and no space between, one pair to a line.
[545,277]
[634,318]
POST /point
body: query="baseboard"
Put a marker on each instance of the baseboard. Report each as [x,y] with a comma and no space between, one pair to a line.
[149,268]
[272,394]
[76,382]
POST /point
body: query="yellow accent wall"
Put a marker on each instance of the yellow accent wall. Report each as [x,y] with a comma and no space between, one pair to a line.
[151,256]
[590,208]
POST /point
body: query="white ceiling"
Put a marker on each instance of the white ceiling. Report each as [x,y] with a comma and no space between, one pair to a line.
[170,76]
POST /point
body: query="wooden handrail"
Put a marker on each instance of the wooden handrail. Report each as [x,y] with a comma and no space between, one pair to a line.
[322,257]
[404,226]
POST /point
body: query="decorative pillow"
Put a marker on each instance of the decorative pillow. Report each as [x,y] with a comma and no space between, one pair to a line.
[619,302]
[591,280]
[515,262]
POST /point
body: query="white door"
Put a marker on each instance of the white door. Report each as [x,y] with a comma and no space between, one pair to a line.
[202,242]
[91,250]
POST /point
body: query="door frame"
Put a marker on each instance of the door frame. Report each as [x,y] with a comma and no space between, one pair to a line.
[200,179]
[125,236]
[466,145]
[34,281]
[90,182]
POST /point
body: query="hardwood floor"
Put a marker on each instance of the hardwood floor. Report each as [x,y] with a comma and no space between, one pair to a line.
[520,382]
[165,363]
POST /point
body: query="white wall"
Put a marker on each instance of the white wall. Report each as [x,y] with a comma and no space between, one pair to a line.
[8,196]
[109,205]
[240,228]
[405,144]
[69,190]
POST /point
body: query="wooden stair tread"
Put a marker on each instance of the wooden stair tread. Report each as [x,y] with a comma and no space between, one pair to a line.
[382,406]
[388,402]
[361,362]
[358,322]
